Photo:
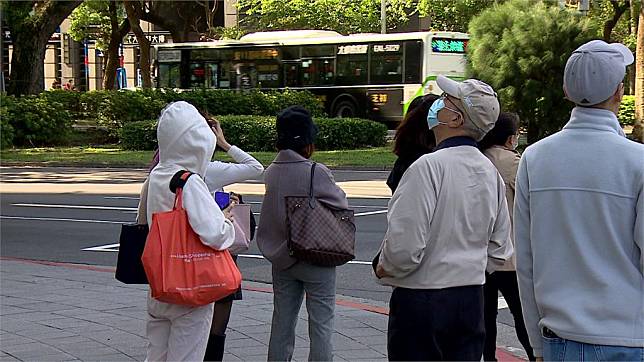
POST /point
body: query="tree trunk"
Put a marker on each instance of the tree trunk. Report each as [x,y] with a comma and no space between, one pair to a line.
[638,129]
[116,37]
[609,25]
[144,43]
[27,64]
[30,35]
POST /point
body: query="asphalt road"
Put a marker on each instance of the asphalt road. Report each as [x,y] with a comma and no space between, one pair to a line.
[83,228]
[60,227]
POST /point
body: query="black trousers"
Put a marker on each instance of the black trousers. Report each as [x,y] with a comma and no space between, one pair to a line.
[506,283]
[436,324]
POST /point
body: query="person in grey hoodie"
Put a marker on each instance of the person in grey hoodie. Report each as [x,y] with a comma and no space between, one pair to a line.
[289,175]
[579,222]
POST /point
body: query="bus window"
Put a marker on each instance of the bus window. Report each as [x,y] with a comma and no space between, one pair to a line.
[197,75]
[413,62]
[290,53]
[352,64]
[268,75]
[317,72]
[169,75]
[386,63]
[212,75]
[312,51]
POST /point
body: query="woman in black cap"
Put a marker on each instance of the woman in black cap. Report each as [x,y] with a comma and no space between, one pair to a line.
[289,175]
[499,146]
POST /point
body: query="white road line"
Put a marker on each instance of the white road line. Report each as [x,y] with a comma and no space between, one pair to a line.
[57,219]
[108,247]
[371,213]
[502,304]
[247,202]
[87,207]
[134,209]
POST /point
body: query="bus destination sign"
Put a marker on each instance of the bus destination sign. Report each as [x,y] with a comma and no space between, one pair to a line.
[446,45]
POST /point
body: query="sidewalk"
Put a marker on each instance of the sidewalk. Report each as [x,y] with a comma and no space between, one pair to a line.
[62,312]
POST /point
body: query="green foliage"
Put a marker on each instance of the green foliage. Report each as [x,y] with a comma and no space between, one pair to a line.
[257,133]
[140,135]
[91,20]
[227,32]
[526,66]
[452,15]
[626,114]
[343,16]
[6,130]
[602,11]
[35,121]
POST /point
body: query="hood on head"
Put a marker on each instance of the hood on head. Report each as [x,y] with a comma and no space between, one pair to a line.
[185,140]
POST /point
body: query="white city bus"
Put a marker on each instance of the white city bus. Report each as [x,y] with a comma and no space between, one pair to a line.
[367,75]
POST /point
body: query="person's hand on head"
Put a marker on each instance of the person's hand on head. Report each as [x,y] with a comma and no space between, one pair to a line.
[221,139]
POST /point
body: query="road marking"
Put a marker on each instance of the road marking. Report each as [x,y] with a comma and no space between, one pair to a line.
[58,219]
[87,207]
[247,202]
[502,304]
[134,209]
[108,247]
[370,213]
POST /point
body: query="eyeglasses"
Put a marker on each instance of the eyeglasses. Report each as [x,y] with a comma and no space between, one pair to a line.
[444,98]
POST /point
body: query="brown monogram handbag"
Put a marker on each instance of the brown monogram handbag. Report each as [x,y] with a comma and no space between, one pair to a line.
[318,234]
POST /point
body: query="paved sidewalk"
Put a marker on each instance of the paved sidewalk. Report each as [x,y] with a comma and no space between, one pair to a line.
[63,312]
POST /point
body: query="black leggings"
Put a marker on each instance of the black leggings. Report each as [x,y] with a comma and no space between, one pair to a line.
[506,282]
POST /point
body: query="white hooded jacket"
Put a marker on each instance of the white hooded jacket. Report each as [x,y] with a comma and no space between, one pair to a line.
[187,143]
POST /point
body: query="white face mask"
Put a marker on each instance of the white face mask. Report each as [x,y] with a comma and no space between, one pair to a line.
[515,142]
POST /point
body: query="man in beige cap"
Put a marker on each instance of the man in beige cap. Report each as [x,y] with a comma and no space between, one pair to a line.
[446,217]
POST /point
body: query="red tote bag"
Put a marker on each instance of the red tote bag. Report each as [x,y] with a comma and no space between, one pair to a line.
[180,268]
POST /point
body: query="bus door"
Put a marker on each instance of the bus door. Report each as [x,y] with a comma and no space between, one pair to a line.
[291,73]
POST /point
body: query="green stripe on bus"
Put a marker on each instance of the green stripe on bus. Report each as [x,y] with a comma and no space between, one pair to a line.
[421,90]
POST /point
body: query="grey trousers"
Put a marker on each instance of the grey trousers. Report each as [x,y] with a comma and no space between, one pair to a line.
[289,287]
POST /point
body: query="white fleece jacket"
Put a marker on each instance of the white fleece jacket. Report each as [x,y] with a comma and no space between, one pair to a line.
[187,143]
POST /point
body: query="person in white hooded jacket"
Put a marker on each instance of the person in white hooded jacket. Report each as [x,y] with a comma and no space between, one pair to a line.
[186,142]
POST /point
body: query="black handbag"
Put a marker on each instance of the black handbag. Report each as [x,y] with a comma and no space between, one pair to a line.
[129,268]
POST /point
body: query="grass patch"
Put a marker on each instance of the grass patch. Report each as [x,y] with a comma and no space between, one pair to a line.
[380,157]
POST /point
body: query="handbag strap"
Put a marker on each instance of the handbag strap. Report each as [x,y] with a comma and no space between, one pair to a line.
[177,183]
[311,193]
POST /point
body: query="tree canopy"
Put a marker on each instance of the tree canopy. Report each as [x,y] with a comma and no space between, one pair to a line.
[526,66]
[91,20]
[356,16]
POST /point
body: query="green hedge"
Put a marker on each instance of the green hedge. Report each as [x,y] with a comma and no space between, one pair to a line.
[627,111]
[34,121]
[112,109]
[257,133]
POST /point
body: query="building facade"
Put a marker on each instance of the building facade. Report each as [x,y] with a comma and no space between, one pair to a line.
[80,65]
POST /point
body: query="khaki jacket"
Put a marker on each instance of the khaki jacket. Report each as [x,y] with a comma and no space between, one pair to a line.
[507,162]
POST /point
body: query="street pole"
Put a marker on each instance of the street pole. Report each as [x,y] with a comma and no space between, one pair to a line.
[383,16]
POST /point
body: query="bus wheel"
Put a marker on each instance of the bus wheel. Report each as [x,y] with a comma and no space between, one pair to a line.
[345,109]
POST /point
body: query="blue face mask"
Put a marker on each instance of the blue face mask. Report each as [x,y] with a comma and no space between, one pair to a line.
[432,115]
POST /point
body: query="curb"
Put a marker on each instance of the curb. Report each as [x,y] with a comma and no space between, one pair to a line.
[502,354]
[55,164]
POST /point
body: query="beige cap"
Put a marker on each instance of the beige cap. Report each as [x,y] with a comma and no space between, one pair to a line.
[480,103]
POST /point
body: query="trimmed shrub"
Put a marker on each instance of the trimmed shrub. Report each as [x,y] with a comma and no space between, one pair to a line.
[257,133]
[626,115]
[6,130]
[139,135]
[37,120]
